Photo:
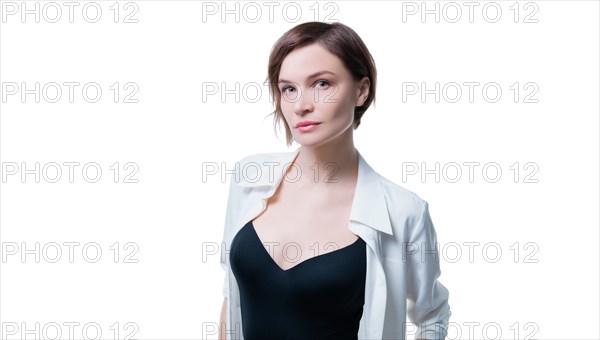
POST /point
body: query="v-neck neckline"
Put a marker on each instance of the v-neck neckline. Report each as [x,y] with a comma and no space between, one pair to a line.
[299,264]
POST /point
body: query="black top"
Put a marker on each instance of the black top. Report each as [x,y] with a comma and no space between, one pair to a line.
[319,298]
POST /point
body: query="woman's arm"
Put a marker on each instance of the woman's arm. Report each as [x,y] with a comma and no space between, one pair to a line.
[428,306]
[223,321]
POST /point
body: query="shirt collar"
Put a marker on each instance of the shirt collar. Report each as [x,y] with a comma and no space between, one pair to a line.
[369,205]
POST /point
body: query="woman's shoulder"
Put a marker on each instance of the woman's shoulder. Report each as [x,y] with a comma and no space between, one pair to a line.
[402,199]
[262,168]
[408,211]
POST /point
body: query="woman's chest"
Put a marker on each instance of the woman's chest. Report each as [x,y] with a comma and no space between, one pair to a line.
[294,230]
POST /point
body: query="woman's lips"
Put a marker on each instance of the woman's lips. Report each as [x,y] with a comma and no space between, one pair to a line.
[308,128]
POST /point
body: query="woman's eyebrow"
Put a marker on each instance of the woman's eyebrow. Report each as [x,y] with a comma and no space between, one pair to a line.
[316,74]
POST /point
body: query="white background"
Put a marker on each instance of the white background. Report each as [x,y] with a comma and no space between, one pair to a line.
[177,49]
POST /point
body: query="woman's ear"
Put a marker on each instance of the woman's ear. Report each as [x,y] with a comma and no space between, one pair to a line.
[362,91]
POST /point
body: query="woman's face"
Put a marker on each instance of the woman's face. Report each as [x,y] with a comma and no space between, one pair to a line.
[316,86]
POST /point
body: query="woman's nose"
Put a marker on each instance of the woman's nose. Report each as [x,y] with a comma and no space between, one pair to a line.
[303,102]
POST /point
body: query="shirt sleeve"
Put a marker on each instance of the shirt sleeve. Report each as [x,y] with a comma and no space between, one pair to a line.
[225,248]
[428,306]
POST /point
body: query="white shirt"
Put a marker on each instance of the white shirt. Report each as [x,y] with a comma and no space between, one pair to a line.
[402,260]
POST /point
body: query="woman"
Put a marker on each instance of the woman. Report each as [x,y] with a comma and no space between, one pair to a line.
[334,251]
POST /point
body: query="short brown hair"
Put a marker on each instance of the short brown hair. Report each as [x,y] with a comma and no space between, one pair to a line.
[338,39]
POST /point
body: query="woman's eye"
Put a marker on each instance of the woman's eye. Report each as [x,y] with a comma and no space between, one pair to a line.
[325,82]
[285,88]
